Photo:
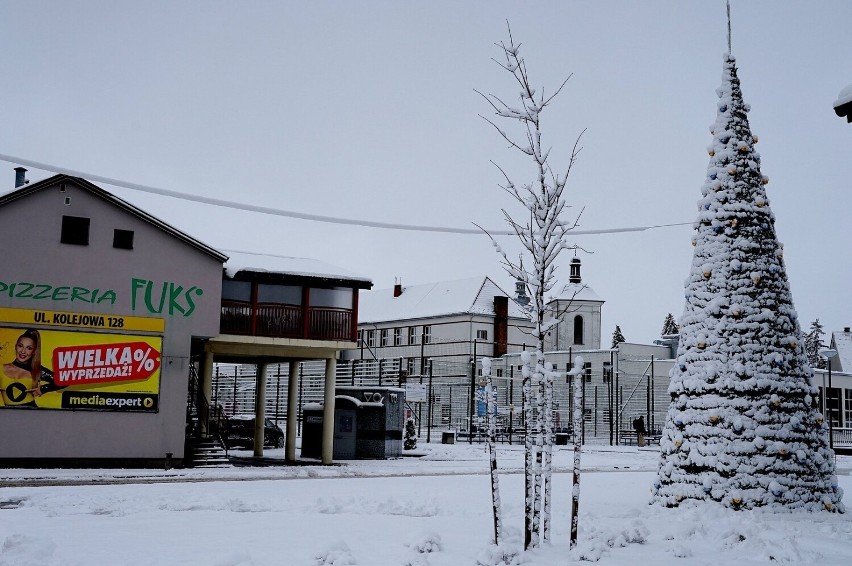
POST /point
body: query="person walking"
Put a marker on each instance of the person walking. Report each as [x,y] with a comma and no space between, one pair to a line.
[639,427]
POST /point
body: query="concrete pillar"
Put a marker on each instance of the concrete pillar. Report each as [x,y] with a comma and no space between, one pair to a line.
[206,390]
[259,408]
[328,412]
[292,411]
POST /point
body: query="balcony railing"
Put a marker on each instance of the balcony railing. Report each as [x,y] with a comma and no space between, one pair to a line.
[286,321]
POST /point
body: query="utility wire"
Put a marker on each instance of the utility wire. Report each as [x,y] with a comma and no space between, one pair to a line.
[300,215]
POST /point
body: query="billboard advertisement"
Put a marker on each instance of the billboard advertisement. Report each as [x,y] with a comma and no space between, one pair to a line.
[78,370]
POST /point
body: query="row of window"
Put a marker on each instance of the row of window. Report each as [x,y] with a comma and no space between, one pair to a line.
[833,403]
[406,336]
[394,336]
[75,231]
[270,294]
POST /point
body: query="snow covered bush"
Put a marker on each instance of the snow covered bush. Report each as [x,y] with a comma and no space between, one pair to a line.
[410,441]
[337,555]
[744,427]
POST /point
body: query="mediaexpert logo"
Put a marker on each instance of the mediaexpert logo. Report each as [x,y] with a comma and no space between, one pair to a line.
[146,402]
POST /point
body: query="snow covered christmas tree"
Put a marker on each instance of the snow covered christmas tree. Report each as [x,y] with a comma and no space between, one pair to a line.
[744,427]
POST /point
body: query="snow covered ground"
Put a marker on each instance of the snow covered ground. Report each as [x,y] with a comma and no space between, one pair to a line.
[432,510]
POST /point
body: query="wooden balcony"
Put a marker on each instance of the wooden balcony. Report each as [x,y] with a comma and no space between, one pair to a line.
[287,321]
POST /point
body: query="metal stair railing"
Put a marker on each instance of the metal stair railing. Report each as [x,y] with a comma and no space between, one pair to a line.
[200,416]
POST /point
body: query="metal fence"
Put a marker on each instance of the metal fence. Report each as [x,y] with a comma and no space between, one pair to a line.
[614,391]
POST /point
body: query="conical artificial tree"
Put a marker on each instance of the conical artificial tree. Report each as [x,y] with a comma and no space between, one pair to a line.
[744,427]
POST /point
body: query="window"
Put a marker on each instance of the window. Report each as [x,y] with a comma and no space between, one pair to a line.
[360,337]
[607,372]
[427,334]
[279,294]
[587,415]
[587,372]
[578,329]
[397,337]
[446,413]
[75,230]
[385,340]
[371,338]
[832,400]
[335,298]
[411,364]
[499,373]
[412,335]
[482,335]
[122,239]
[847,403]
[236,290]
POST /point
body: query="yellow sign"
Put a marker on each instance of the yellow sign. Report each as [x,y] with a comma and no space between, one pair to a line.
[82,320]
[55,369]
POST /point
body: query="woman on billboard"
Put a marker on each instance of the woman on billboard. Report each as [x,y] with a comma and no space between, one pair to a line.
[20,379]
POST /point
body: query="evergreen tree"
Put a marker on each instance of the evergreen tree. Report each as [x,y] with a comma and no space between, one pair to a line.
[813,345]
[744,427]
[617,337]
[410,440]
[670,326]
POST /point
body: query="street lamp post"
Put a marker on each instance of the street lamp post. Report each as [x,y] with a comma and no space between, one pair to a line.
[828,355]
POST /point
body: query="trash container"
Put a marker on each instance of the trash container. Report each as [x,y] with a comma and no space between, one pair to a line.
[562,438]
[312,414]
[448,437]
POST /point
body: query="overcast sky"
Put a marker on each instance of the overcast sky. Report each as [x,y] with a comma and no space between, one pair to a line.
[367,110]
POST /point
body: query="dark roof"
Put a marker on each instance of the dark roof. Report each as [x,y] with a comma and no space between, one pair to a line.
[843,104]
[844,110]
[95,190]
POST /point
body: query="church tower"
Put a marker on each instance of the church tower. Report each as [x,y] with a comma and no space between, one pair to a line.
[579,309]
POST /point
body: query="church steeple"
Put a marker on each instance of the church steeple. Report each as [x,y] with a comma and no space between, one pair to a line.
[574,276]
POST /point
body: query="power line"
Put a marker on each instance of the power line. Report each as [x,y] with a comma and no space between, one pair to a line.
[299,215]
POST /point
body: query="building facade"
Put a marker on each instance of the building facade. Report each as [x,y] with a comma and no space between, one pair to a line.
[110,301]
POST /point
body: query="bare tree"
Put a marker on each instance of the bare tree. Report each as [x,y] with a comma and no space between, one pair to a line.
[491,420]
[542,231]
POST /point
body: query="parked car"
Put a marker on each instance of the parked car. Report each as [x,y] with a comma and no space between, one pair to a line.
[239,432]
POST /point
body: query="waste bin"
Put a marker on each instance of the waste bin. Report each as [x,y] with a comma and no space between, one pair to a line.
[562,438]
[312,415]
[448,437]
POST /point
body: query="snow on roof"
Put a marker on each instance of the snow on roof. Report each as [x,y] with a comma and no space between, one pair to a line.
[843,344]
[578,292]
[844,97]
[264,263]
[462,296]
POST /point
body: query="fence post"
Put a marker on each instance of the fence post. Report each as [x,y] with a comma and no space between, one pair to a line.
[301,392]
[429,408]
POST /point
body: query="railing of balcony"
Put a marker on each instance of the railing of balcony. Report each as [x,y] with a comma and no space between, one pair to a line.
[286,321]
[330,323]
[279,320]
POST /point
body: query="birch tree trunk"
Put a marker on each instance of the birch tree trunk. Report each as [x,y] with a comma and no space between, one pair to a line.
[578,447]
[490,419]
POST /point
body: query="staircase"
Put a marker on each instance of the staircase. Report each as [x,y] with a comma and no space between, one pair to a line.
[203,446]
[206,452]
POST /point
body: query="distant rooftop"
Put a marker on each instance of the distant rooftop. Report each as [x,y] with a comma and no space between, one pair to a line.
[843,345]
[474,295]
[578,292]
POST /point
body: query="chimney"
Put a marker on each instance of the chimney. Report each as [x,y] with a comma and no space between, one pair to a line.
[574,277]
[397,289]
[20,177]
[501,325]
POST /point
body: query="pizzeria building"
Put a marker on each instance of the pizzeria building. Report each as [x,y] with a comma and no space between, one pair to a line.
[107,313]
